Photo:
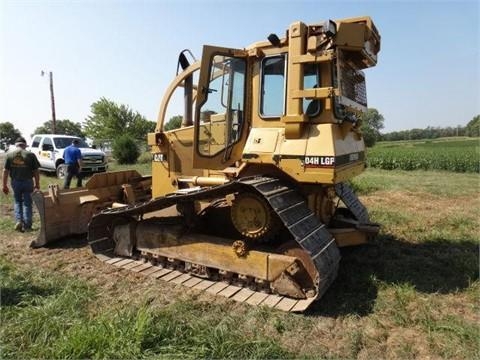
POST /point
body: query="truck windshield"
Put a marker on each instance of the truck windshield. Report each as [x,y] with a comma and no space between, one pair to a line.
[61,143]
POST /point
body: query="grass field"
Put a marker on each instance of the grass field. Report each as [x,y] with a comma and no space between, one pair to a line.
[451,154]
[412,293]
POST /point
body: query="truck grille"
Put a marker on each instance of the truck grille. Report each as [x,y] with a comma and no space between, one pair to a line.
[92,159]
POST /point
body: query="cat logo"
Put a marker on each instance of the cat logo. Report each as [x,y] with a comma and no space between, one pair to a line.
[18,161]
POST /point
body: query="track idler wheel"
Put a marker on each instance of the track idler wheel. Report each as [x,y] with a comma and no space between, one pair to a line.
[252,216]
[308,278]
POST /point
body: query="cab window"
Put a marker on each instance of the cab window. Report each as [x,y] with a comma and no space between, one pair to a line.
[273,85]
[311,80]
[221,115]
[273,81]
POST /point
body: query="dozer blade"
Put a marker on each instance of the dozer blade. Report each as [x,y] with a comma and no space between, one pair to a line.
[68,212]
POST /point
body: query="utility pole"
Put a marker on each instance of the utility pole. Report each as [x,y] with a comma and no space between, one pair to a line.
[52,99]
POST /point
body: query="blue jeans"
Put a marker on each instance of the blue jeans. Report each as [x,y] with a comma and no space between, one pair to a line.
[22,193]
[72,170]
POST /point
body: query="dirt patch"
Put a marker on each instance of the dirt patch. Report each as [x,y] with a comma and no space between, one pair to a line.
[6,210]
[403,342]
[422,203]
[420,213]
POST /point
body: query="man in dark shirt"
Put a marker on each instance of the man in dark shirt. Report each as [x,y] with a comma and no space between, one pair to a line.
[22,166]
[73,161]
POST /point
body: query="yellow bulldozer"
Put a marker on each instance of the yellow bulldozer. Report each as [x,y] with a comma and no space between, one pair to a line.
[249,198]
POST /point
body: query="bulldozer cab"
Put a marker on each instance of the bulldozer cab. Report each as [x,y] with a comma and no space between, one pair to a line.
[220,121]
[290,106]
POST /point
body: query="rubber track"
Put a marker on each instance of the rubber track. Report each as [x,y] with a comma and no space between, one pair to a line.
[350,199]
[305,228]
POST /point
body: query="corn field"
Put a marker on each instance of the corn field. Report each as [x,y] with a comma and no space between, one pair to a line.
[443,154]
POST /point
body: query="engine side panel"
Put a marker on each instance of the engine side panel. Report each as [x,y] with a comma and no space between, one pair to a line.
[322,155]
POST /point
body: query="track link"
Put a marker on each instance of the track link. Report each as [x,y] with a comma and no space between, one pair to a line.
[304,227]
[350,199]
[233,292]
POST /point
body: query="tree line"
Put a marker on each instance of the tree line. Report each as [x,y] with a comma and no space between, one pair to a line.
[472,129]
[109,121]
[117,124]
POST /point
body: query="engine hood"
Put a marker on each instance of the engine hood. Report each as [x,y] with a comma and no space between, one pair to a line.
[90,151]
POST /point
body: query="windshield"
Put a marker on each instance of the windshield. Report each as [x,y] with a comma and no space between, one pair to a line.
[61,143]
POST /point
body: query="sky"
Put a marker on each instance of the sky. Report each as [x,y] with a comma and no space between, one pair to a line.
[428,70]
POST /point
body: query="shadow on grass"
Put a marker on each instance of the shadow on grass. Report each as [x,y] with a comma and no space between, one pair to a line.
[439,266]
[17,289]
[13,295]
[69,242]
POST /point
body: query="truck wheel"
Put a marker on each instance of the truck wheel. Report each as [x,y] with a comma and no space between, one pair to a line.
[61,171]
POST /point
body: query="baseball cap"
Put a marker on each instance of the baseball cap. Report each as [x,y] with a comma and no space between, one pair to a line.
[20,141]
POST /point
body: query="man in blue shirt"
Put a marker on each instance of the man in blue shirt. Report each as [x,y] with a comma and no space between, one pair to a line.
[73,161]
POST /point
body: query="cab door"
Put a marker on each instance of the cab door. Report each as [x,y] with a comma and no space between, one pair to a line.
[221,114]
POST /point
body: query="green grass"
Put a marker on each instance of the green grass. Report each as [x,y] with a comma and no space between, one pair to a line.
[458,155]
[441,183]
[142,168]
[412,293]
[47,316]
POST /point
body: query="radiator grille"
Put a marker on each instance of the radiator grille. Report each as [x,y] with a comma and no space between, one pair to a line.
[352,84]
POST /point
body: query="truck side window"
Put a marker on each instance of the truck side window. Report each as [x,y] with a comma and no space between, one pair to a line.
[47,144]
[36,141]
[272,97]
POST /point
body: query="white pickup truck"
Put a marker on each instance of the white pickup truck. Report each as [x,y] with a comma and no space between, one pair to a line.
[49,148]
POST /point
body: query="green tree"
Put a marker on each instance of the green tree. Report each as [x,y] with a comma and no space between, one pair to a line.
[109,120]
[372,123]
[125,150]
[174,123]
[142,127]
[473,127]
[64,127]
[8,134]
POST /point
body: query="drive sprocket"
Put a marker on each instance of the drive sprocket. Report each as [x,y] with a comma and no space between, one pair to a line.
[253,217]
